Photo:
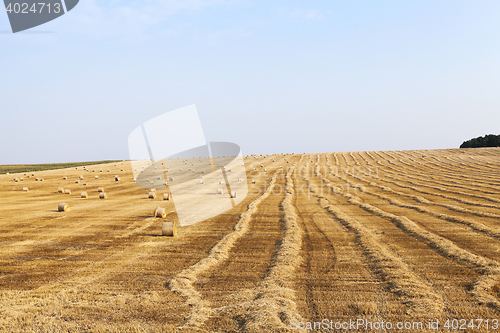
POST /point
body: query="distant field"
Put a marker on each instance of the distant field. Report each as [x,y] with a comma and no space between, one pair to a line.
[395,236]
[16,168]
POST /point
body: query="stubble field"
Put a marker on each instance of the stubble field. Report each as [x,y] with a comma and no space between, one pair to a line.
[400,237]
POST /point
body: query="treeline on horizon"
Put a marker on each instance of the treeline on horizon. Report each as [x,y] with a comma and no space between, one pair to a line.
[489,140]
[48,166]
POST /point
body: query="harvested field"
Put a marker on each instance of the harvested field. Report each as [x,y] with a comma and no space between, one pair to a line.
[399,236]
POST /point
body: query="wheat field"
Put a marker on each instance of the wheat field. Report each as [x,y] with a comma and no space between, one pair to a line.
[392,236]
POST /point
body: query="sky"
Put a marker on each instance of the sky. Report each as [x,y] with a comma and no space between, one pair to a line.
[271,76]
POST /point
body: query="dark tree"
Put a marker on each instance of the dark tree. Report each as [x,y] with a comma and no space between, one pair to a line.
[489,140]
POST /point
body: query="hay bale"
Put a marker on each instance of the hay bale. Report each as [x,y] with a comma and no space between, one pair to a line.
[121,169]
[233,194]
[25,189]
[36,179]
[100,170]
[220,191]
[166,196]
[253,181]
[63,207]
[60,190]
[84,195]
[152,195]
[100,189]
[16,180]
[84,183]
[103,195]
[81,177]
[117,179]
[21,179]
[160,212]
[33,174]
[40,179]
[169,229]
[202,181]
[77,181]
[67,191]
[171,179]
[96,177]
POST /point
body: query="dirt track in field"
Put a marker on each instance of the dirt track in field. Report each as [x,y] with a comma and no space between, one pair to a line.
[394,236]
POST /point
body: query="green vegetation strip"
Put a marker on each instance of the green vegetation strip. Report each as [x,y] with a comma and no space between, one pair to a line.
[50,166]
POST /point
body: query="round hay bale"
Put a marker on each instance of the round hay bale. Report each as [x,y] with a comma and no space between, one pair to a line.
[63,207]
[108,170]
[171,179]
[81,177]
[202,181]
[233,194]
[96,177]
[67,191]
[117,179]
[152,195]
[36,179]
[33,174]
[100,189]
[84,195]
[21,179]
[25,189]
[253,181]
[166,196]
[84,183]
[220,191]
[103,195]
[77,181]
[121,169]
[60,190]
[16,180]
[93,170]
[152,190]
[40,179]
[169,229]
[160,212]
[100,170]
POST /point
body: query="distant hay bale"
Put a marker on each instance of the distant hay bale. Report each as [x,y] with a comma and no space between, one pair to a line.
[77,181]
[166,196]
[84,183]
[21,179]
[81,177]
[152,195]
[100,170]
[16,180]
[60,190]
[84,195]
[93,170]
[25,189]
[32,174]
[152,190]
[160,212]
[202,181]
[40,179]
[121,169]
[171,179]
[265,169]
[100,189]
[103,195]
[253,181]
[240,179]
[220,191]
[63,207]
[233,194]
[67,191]
[96,177]
[220,183]
[169,229]
[108,170]
[64,178]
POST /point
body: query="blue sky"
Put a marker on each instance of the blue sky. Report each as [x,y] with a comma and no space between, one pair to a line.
[271,76]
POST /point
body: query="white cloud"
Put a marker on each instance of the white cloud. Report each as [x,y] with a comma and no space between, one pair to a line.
[135,20]
[301,15]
